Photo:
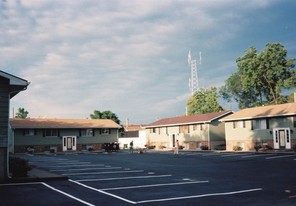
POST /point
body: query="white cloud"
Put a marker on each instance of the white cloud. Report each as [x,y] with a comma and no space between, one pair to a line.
[126,56]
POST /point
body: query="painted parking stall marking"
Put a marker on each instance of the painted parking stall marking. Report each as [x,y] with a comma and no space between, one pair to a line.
[282,156]
[123,178]
[200,196]
[85,169]
[154,185]
[257,155]
[68,195]
[51,188]
[235,155]
[99,173]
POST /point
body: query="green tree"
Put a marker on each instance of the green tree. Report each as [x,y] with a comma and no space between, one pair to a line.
[105,115]
[260,78]
[204,101]
[22,113]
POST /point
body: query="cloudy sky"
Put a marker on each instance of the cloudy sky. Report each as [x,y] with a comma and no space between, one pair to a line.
[130,56]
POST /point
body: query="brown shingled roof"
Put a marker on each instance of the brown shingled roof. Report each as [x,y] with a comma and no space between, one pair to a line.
[183,120]
[62,123]
[263,111]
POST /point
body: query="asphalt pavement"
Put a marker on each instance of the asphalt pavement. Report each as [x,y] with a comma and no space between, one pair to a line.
[156,178]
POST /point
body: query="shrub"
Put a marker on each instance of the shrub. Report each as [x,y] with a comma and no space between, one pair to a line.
[151,146]
[237,148]
[265,147]
[257,147]
[19,167]
[204,147]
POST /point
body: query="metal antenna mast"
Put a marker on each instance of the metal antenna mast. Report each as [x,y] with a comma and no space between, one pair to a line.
[193,80]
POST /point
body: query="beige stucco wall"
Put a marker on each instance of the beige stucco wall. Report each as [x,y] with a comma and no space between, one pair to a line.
[247,138]
[191,139]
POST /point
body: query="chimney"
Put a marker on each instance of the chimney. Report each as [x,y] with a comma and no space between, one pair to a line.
[126,122]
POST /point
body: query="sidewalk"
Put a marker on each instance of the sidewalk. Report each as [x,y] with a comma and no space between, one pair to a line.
[38,175]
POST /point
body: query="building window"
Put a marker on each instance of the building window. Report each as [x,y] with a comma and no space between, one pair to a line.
[106,131]
[153,130]
[239,124]
[294,121]
[87,132]
[194,127]
[200,127]
[29,132]
[260,124]
[51,133]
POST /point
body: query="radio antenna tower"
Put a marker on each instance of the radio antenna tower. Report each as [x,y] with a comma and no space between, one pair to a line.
[193,80]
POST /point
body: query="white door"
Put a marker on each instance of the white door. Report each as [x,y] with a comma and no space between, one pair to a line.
[281,138]
[69,143]
[172,140]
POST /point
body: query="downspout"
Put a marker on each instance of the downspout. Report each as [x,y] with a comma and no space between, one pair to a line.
[209,140]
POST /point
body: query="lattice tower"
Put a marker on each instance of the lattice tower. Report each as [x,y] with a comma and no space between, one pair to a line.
[193,80]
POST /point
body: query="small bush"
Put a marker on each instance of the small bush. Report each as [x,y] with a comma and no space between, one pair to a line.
[19,167]
[204,147]
[150,146]
[265,148]
[237,148]
[181,147]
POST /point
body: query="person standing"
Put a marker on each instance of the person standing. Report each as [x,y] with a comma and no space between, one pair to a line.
[131,147]
[176,147]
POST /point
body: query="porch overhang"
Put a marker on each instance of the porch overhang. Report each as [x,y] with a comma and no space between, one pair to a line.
[16,84]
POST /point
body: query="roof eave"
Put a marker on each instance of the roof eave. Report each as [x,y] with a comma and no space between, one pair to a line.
[257,117]
[178,124]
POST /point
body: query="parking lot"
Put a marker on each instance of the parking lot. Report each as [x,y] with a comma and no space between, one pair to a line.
[159,178]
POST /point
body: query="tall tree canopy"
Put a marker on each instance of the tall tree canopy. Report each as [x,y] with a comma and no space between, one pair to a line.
[105,115]
[204,101]
[22,113]
[261,77]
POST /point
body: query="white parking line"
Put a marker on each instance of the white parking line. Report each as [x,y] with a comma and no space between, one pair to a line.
[123,178]
[101,191]
[68,195]
[155,185]
[83,169]
[233,155]
[282,156]
[73,163]
[258,155]
[61,166]
[98,173]
[200,196]
[20,184]
[210,154]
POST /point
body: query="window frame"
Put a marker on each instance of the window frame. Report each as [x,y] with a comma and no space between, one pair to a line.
[29,132]
[87,132]
[51,133]
[260,124]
